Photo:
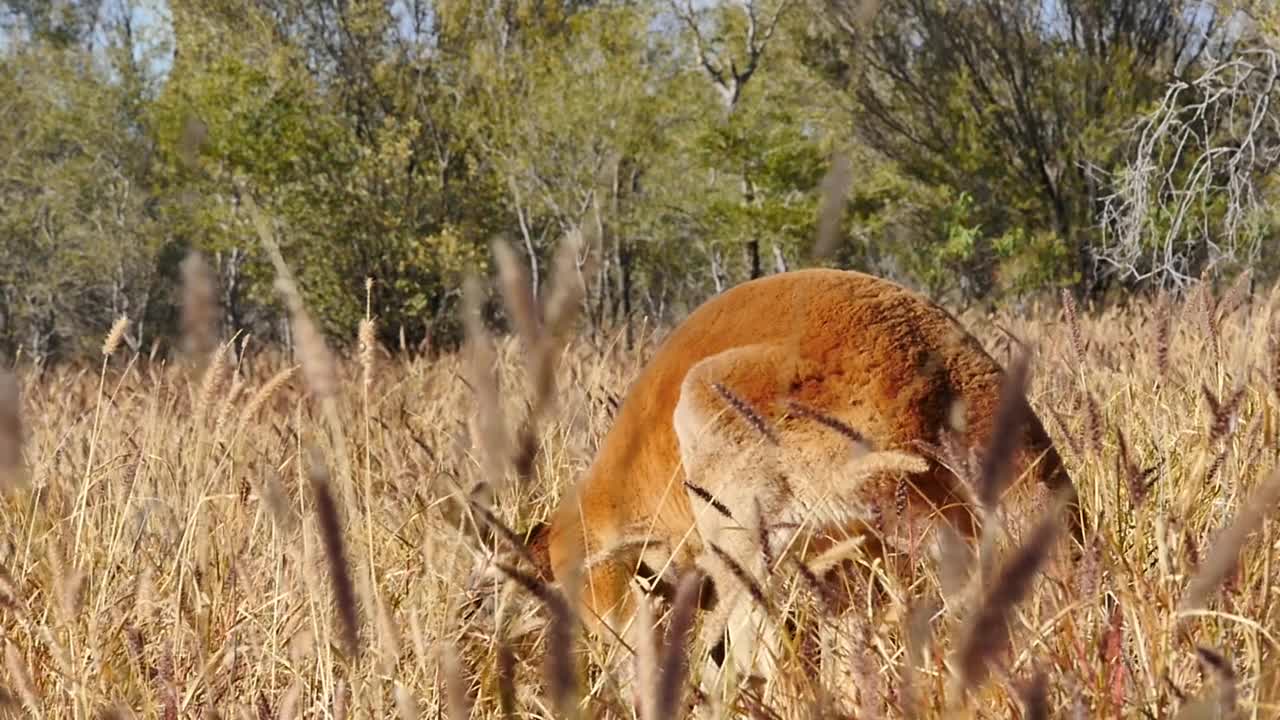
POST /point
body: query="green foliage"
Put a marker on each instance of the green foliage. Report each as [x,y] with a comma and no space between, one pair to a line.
[1024,106]
[396,141]
[78,244]
[386,192]
[762,152]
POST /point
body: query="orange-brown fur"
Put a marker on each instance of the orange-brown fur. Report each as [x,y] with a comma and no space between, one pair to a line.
[877,356]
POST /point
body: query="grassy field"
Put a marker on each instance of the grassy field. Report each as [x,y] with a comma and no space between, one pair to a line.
[254,539]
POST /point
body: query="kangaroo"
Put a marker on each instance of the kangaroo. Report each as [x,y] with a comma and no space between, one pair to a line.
[747,418]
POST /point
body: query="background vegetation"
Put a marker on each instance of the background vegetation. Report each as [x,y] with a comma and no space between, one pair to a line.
[196,523]
[985,150]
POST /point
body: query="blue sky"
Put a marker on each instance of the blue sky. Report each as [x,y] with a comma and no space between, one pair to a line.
[154,24]
[153,30]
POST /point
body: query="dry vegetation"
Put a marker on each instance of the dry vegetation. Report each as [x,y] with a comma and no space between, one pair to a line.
[242,537]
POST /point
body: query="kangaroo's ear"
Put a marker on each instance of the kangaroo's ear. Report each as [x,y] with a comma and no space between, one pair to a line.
[537,539]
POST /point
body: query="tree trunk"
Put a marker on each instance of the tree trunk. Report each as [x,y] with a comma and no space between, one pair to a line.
[624,271]
[535,281]
[753,243]
[232,305]
[717,271]
[603,300]
[779,260]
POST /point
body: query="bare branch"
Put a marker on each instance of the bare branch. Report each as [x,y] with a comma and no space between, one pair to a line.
[686,15]
[730,82]
[1209,140]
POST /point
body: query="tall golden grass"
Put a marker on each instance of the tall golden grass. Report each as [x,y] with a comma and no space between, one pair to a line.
[250,536]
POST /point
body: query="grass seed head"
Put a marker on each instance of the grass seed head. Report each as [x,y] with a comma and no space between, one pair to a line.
[215,374]
[844,429]
[518,295]
[406,706]
[492,438]
[1225,675]
[331,535]
[457,689]
[568,289]
[265,393]
[317,362]
[833,194]
[1073,325]
[747,412]
[1223,556]
[749,583]
[1006,435]
[11,430]
[675,651]
[1034,695]
[987,633]
[1163,336]
[199,307]
[367,338]
[20,676]
[115,336]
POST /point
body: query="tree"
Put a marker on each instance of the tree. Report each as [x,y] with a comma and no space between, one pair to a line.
[346,130]
[58,25]
[80,242]
[1010,101]
[1192,197]
[755,23]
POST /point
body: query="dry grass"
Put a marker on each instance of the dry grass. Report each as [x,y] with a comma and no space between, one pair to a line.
[175,549]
